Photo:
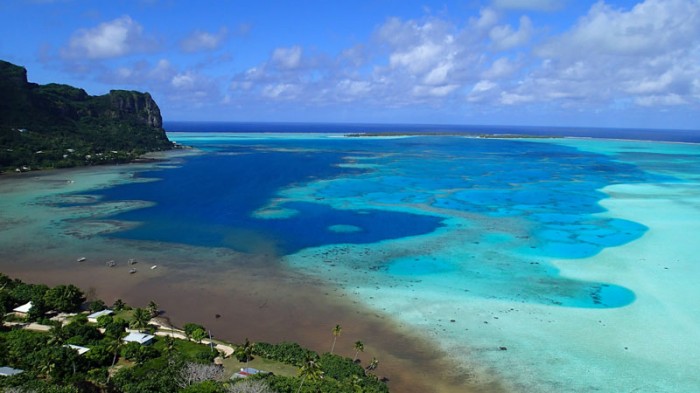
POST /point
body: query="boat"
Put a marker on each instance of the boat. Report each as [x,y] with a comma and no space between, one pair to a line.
[132,271]
[132,261]
[111,263]
[154,266]
[81,259]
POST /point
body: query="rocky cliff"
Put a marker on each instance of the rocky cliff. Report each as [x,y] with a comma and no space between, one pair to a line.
[68,127]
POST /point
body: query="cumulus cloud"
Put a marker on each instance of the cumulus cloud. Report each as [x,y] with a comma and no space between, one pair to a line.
[119,37]
[505,37]
[645,55]
[203,41]
[287,58]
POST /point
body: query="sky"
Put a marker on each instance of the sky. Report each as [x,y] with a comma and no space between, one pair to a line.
[607,63]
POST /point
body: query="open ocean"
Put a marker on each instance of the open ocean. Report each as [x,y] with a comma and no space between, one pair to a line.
[533,264]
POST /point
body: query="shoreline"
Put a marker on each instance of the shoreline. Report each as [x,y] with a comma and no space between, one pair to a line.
[241,294]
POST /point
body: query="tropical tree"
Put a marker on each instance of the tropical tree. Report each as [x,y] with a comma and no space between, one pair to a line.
[189,328]
[198,335]
[140,318]
[245,351]
[57,335]
[372,365]
[359,347]
[66,298]
[118,305]
[97,305]
[309,369]
[114,345]
[152,309]
[336,332]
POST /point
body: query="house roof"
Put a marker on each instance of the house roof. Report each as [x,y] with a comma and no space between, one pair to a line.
[81,350]
[137,337]
[23,308]
[9,371]
[98,314]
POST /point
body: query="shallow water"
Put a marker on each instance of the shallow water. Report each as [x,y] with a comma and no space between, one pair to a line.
[476,244]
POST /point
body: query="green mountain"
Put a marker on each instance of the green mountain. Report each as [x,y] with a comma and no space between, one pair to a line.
[58,126]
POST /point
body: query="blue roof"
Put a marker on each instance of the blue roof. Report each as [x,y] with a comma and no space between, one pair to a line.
[9,371]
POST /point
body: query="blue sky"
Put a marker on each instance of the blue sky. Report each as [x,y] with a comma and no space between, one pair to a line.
[610,63]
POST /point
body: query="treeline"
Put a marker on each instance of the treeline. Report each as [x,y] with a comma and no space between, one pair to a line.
[49,363]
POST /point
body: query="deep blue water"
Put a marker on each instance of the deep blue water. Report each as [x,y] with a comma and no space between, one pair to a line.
[210,200]
[367,190]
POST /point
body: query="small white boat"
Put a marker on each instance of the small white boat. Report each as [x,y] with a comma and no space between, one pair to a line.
[154,266]
[132,271]
[132,261]
[82,259]
[111,263]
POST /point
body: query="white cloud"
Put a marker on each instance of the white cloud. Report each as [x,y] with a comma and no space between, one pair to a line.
[203,41]
[353,88]
[504,37]
[119,37]
[646,55]
[663,100]
[500,68]
[287,58]
[281,91]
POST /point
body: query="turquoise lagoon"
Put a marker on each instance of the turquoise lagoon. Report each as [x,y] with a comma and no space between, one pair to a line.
[525,259]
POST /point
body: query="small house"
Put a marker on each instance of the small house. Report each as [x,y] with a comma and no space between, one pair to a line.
[93,317]
[9,371]
[81,350]
[247,371]
[23,310]
[141,338]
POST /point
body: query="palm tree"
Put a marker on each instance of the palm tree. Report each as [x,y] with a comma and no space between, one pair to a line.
[336,332]
[57,335]
[141,318]
[359,347]
[372,365]
[152,309]
[114,346]
[247,350]
[118,305]
[309,369]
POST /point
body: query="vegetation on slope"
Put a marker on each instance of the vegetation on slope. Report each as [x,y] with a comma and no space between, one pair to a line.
[57,126]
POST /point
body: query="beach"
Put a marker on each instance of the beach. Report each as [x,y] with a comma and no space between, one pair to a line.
[458,309]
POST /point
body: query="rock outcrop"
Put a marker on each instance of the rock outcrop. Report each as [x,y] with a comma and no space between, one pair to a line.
[59,120]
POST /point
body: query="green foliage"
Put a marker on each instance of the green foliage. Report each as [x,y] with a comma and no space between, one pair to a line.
[189,329]
[140,318]
[339,367]
[71,128]
[64,298]
[285,352]
[198,335]
[119,305]
[97,305]
[50,366]
[139,353]
[204,387]
[187,350]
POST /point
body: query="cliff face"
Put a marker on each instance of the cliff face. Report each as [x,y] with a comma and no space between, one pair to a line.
[140,106]
[51,117]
